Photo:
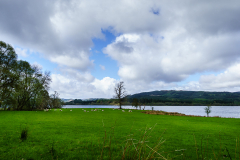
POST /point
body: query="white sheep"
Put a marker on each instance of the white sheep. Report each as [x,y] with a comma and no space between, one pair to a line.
[102,110]
[70,110]
[123,111]
[129,111]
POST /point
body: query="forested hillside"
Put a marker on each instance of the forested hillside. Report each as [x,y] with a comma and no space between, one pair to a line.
[187,98]
[171,98]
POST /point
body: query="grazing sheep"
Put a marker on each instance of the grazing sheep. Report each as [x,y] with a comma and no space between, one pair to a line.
[102,110]
[70,110]
[84,110]
[123,111]
[129,111]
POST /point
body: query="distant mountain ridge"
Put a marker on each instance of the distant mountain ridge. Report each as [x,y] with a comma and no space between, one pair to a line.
[170,97]
[190,97]
[187,94]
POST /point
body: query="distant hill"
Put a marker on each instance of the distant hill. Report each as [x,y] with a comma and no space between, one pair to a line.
[169,97]
[67,100]
[189,97]
[188,94]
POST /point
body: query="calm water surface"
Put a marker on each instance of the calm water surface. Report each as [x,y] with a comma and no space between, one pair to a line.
[222,111]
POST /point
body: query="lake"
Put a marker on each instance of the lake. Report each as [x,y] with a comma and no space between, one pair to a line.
[222,111]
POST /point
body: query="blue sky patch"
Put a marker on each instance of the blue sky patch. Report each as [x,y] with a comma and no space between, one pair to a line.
[111,67]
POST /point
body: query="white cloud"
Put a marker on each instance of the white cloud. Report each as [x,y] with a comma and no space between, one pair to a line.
[190,86]
[102,67]
[72,88]
[79,61]
[162,42]
[173,58]
[226,81]
[21,52]
[37,64]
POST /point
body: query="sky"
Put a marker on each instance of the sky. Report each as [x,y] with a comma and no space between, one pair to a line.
[90,45]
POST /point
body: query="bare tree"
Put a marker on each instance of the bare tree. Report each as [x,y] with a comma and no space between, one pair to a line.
[120,93]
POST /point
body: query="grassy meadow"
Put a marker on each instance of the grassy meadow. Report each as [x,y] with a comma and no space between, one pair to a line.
[113,134]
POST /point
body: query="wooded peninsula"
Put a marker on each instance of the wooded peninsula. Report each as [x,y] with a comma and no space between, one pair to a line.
[170,98]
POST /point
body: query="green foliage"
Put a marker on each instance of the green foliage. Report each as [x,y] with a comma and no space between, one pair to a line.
[8,78]
[55,101]
[135,102]
[22,86]
[207,110]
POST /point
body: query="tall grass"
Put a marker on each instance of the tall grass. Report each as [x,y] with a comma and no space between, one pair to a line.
[24,133]
[130,147]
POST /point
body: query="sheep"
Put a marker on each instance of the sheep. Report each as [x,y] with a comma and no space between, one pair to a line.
[123,111]
[70,110]
[129,111]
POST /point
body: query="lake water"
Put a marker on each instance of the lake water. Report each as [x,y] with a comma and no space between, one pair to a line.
[222,111]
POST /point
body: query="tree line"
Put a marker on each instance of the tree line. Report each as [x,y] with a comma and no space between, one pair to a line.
[23,86]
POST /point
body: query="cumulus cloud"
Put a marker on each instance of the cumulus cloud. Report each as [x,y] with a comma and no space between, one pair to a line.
[77,75]
[158,42]
[174,57]
[73,88]
[228,80]
[64,30]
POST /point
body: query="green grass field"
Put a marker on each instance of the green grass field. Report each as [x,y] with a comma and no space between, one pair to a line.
[107,134]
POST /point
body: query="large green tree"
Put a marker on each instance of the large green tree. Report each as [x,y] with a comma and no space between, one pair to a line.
[8,77]
[32,86]
[22,86]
